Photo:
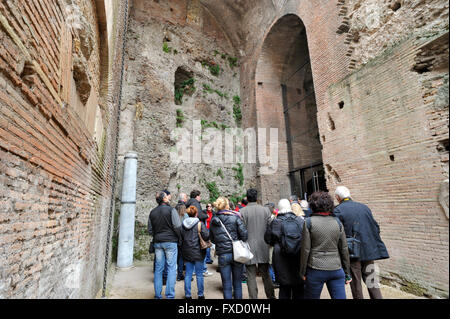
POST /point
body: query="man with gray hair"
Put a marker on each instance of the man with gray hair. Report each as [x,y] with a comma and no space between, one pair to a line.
[359,223]
[182,198]
[165,226]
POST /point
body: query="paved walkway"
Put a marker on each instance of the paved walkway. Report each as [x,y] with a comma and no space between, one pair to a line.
[137,283]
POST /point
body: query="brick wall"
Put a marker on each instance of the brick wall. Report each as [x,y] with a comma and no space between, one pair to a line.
[388,143]
[55,165]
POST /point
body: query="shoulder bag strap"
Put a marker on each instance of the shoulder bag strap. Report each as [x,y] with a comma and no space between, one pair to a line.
[225,229]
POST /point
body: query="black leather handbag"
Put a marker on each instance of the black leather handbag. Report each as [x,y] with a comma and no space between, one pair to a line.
[354,247]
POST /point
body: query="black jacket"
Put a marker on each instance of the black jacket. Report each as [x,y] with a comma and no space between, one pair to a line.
[219,237]
[287,268]
[164,224]
[358,221]
[190,248]
[201,215]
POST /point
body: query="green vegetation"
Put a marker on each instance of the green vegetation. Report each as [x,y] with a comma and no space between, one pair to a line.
[235,198]
[213,124]
[180,118]
[213,191]
[186,87]
[207,88]
[212,66]
[239,173]
[214,69]
[232,62]
[166,48]
[237,114]
[219,173]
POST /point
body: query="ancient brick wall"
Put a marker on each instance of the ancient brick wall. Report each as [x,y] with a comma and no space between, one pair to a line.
[388,141]
[55,149]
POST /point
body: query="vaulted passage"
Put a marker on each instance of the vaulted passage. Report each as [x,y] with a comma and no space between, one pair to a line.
[356,90]
[285,97]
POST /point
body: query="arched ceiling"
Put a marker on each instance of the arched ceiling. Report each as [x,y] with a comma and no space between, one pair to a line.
[237,17]
[283,50]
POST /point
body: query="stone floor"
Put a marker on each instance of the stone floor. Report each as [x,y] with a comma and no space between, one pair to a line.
[137,283]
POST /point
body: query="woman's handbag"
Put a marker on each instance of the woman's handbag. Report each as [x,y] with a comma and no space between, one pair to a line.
[203,244]
[241,249]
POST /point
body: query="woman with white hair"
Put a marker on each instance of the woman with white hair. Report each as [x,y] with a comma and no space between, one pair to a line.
[284,234]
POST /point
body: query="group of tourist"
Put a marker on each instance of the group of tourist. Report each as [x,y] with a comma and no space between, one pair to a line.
[298,246]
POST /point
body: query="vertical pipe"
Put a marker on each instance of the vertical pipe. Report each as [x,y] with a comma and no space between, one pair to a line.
[127,212]
[288,136]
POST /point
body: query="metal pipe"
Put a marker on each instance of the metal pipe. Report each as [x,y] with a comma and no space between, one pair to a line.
[127,212]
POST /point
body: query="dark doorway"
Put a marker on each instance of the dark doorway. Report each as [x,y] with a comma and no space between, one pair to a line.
[306,172]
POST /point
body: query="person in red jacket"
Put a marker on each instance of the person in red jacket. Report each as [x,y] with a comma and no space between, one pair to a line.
[241,204]
[209,212]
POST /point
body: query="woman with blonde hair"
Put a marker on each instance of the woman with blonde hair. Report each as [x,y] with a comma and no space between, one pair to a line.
[224,224]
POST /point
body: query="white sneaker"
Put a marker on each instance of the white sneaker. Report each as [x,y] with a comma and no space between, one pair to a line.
[207,274]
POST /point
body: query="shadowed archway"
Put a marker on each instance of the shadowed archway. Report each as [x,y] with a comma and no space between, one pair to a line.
[285,98]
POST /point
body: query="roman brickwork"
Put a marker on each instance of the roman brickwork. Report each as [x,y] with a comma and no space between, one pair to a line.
[57,102]
[379,77]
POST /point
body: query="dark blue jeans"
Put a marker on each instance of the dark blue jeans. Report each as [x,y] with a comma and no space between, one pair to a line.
[190,266]
[230,272]
[180,264]
[165,253]
[315,279]
[208,255]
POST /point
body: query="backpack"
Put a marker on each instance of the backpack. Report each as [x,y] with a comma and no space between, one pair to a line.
[291,235]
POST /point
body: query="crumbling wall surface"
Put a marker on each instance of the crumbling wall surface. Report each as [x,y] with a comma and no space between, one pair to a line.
[54,173]
[376,25]
[169,44]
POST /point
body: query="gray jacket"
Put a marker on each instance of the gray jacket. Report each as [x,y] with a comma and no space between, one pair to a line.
[256,218]
[325,246]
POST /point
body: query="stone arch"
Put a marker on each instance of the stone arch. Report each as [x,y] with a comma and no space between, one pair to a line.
[285,98]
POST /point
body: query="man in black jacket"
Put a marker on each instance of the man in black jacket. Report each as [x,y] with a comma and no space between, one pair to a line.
[194,200]
[358,222]
[165,226]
